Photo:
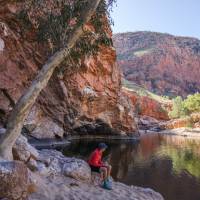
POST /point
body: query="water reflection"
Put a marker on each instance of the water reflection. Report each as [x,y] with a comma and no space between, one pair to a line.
[168,164]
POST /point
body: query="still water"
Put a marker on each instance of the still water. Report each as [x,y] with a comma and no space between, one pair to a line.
[167,164]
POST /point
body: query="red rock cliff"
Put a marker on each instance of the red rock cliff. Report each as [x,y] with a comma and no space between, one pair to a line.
[87,100]
[162,63]
[146,106]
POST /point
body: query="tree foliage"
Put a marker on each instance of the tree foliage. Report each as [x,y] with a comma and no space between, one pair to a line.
[177,108]
[54,28]
[185,107]
[192,103]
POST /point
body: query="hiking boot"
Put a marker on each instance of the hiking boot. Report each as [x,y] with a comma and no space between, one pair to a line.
[107,185]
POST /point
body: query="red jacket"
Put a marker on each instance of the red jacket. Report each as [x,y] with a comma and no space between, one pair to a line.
[95,158]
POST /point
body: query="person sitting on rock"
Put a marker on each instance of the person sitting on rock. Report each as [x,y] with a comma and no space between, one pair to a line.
[96,165]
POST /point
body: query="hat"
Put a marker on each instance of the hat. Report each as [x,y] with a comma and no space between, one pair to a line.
[102,146]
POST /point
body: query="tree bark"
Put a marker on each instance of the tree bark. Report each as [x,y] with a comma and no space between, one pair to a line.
[24,104]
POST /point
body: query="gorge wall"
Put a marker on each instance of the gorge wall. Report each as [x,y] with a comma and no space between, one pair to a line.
[146,106]
[162,63]
[83,98]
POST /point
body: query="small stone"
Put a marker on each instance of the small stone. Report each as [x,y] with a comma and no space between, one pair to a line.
[42,169]
[32,165]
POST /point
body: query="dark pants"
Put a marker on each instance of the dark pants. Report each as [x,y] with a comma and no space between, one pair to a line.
[95,169]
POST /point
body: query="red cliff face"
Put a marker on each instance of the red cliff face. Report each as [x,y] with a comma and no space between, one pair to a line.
[146,106]
[86,100]
[162,63]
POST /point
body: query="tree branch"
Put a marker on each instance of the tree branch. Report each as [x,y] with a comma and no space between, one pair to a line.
[24,104]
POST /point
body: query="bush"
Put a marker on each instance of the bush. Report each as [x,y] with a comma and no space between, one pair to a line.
[192,103]
[177,108]
[185,107]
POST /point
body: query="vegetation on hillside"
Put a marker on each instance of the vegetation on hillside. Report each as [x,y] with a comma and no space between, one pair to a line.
[182,108]
[143,92]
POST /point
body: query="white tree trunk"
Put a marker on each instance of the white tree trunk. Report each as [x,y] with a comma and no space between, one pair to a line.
[24,104]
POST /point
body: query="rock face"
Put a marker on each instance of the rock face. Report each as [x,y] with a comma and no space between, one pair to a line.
[14,181]
[84,100]
[146,106]
[162,63]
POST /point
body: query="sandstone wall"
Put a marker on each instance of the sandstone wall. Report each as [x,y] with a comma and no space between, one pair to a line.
[86,100]
[146,106]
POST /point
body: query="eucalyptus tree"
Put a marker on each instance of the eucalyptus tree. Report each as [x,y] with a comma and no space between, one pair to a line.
[83,12]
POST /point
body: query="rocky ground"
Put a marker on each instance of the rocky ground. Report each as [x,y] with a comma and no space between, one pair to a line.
[189,125]
[186,132]
[70,178]
[191,121]
[60,188]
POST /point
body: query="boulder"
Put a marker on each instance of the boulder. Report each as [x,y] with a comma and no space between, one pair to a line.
[39,126]
[77,169]
[32,164]
[14,181]
[59,164]
[150,124]
[23,151]
[195,117]
[47,129]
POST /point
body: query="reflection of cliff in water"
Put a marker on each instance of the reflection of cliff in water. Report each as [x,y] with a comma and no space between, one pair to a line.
[184,152]
[161,163]
[125,156]
[159,176]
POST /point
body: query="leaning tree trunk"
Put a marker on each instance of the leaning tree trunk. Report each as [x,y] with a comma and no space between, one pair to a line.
[24,104]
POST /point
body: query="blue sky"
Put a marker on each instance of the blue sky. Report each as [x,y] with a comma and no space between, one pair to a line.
[177,17]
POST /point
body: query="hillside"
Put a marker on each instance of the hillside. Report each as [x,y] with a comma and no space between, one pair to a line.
[162,63]
[140,91]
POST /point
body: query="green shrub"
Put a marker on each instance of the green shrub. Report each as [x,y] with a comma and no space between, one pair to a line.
[185,107]
[192,103]
[177,108]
